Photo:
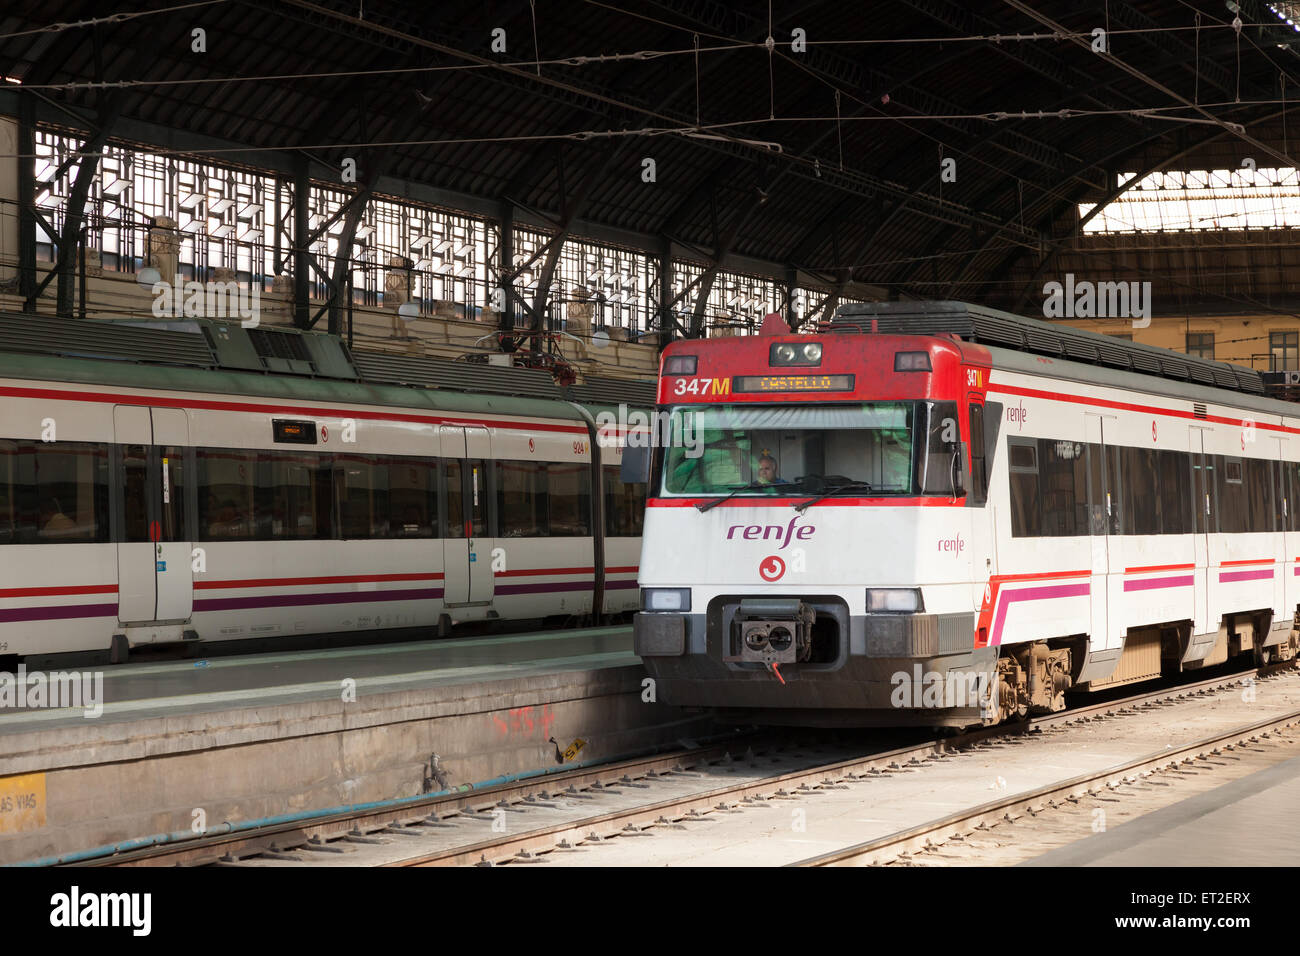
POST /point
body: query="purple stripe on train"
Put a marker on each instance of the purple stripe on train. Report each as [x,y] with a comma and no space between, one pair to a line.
[1155,584]
[1034,594]
[11,614]
[1228,576]
[543,588]
[299,600]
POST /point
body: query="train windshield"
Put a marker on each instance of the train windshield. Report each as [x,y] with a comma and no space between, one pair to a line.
[867,448]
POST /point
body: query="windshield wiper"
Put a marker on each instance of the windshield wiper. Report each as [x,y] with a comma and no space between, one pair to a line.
[706,505]
[832,490]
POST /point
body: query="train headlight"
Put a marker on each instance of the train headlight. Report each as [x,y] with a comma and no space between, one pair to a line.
[894,601]
[665,599]
[795,353]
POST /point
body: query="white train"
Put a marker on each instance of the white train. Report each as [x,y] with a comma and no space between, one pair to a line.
[938,514]
[263,487]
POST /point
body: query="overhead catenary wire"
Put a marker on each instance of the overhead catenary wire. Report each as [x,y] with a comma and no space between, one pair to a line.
[111,18]
[711,132]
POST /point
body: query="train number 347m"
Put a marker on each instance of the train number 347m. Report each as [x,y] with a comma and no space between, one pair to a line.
[703,386]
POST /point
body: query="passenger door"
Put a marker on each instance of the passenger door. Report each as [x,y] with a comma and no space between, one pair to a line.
[1203,522]
[1103,524]
[155,580]
[467,547]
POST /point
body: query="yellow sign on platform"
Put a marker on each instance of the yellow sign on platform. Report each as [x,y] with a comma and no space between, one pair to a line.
[574,749]
[22,803]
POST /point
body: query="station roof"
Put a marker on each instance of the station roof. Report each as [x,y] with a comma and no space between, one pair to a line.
[829,159]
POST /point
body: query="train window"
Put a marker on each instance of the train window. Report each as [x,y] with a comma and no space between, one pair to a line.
[1234,509]
[1259,494]
[521,499]
[171,471]
[936,465]
[452,471]
[624,504]
[361,485]
[1022,461]
[1292,475]
[227,479]
[568,490]
[1063,478]
[726,448]
[135,488]
[413,497]
[295,496]
[1141,490]
[477,502]
[979,479]
[1278,475]
[1022,454]
[1175,493]
[53,492]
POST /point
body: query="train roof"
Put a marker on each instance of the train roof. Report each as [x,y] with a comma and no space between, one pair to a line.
[976,323]
[1013,342]
[203,355]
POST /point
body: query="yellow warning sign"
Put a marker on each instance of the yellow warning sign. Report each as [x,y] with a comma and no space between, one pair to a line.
[22,803]
[574,749]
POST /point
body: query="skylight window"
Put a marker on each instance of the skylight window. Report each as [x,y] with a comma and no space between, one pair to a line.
[1199,200]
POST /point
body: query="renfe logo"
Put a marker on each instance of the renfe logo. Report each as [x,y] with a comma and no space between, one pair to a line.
[1017,414]
[756,532]
[955,544]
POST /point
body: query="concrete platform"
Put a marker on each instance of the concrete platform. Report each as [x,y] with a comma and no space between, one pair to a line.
[189,743]
[1247,822]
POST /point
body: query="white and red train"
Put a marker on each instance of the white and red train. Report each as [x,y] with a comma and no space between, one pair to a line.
[897,521]
[144,504]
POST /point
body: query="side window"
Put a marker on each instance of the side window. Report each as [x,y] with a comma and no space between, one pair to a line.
[227,483]
[568,490]
[135,493]
[1259,494]
[412,497]
[1022,464]
[362,487]
[1291,474]
[935,455]
[296,500]
[1063,477]
[1175,493]
[521,499]
[1234,512]
[54,492]
[979,475]
[624,504]
[1140,483]
[452,469]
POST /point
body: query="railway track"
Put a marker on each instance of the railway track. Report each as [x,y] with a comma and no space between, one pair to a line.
[930,836]
[589,806]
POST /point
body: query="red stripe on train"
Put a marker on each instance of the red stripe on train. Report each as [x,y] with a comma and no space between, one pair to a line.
[68,589]
[192,403]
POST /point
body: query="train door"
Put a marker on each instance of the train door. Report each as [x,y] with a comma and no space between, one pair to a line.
[1203,525]
[155,579]
[467,549]
[1103,524]
[1283,589]
[983,532]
